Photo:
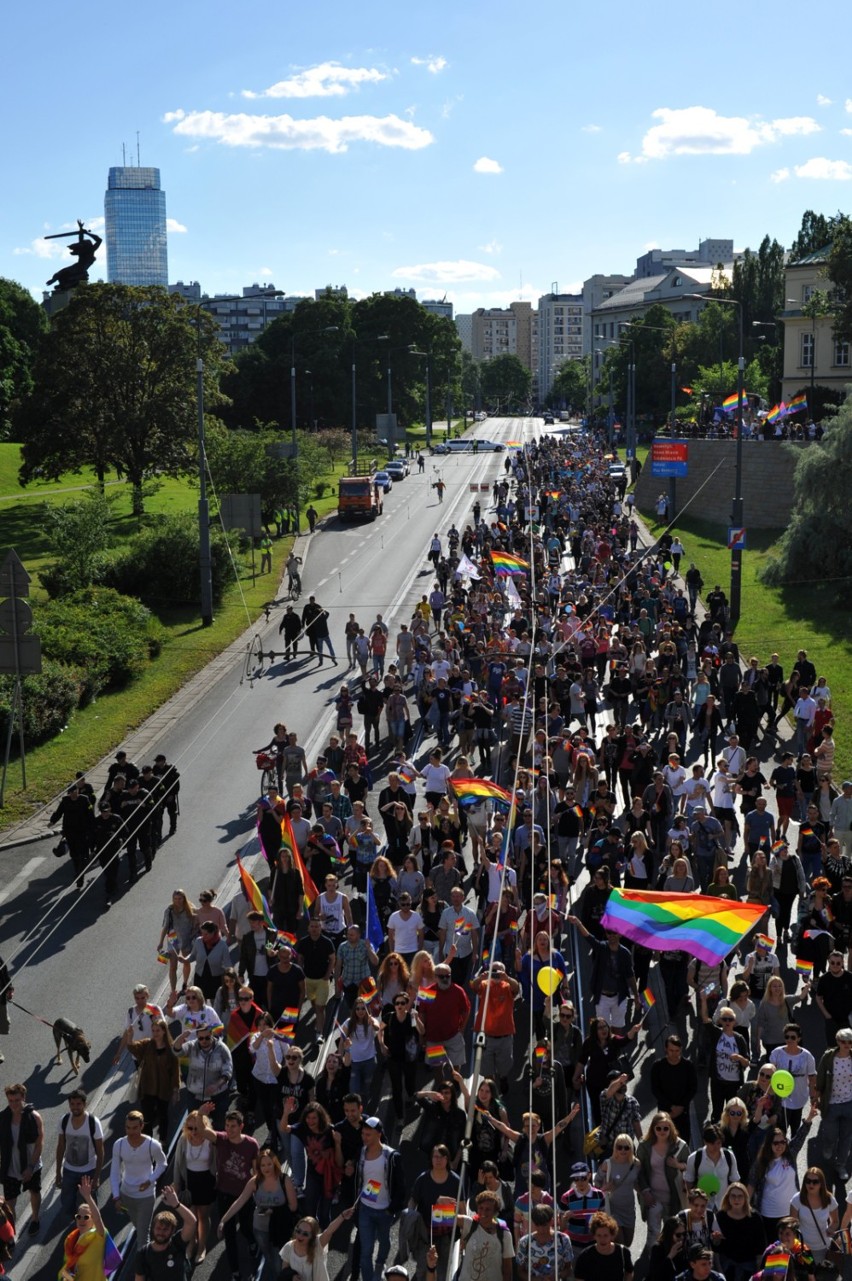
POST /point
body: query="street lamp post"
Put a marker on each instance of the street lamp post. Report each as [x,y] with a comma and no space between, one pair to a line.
[205,561]
[293,427]
[737,514]
[356,342]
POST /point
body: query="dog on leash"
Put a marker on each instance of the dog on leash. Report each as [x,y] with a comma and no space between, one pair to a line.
[75,1042]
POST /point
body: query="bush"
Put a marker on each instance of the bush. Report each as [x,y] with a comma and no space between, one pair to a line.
[49,700]
[108,636]
[159,565]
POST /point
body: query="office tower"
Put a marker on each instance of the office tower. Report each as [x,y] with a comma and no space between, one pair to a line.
[135,212]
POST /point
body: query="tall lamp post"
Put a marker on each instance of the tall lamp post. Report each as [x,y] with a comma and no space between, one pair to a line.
[737,513]
[357,342]
[427,355]
[205,562]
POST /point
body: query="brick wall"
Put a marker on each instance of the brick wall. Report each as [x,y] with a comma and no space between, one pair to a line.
[767,482]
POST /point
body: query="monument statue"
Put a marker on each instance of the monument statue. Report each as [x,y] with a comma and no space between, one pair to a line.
[84,251]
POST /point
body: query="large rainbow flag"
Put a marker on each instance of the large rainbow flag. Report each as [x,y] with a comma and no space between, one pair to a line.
[797,402]
[504,563]
[288,841]
[254,895]
[777,412]
[706,927]
[471,790]
[730,403]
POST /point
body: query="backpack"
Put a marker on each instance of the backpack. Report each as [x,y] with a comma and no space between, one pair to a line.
[63,1124]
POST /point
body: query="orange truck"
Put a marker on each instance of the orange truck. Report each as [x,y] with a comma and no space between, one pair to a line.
[358,495]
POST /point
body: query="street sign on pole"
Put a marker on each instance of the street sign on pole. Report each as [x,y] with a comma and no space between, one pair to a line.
[669,458]
[14,579]
[20,654]
[736,538]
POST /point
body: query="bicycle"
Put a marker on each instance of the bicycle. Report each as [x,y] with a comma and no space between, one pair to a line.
[268,767]
[294,587]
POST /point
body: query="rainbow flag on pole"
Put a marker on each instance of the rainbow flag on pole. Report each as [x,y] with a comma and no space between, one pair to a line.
[804,967]
[112,1257]
[730,403]
[443,1212]
[252,892]
[472,790]
[776,1265]
[706,927]
[776,413]
[797,403]
[434,1053]
[504,563]
[649,998]
[288,841]
[426,994]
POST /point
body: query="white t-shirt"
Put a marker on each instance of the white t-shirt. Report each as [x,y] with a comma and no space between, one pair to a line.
[696,790]
[800,1066]
[374,1192]
[463,938]
[813,1222]
[675,779]
[435,777]
[484,1252]
[405,932]
[80,1154]
[302,1266]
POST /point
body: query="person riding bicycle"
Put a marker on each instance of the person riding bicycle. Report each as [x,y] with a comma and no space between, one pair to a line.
[275,750]
[294,578]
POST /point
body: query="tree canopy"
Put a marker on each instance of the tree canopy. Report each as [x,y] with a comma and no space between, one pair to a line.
[22,326]
[840,273]
[114,386]
[506,382]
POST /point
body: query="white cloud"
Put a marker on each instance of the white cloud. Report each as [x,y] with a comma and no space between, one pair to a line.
[696,131]
[173,225]
[486,165]
[42,248]
[446,273]
[822,101]
[624,157]
[266,272]
[651,244]
[780,175]
[319,133]
[434,64]
[821,168]
[327,80]
[847,133]
[493,247]
[592,129]
[848,105]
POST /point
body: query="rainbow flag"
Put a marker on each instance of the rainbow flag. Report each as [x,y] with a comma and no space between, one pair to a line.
[729,404]
[776,1264]
[218,1029]
[286,1032]
[806,830]
[443,1211]
[368,989]
[776,413]
[540,1052]
[514,444]
[514,926]
[371,1190]
[578,810]
[504,563]
[803,966]
[777,846]
[797,403]
[462,926]
[426,994]
[649,998]
[163,958]
[251,889]
[473,790]
[291,1014]
[434,1053]
[285,937]
[763,940]
[706,927]
[288,841]
[407,773]
[843,1238]
[153,1010]
[112,1257]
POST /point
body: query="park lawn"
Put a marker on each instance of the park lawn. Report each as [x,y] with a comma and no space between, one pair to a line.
[783,620]
[100,728]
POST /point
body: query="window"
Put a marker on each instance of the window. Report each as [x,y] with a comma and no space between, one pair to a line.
[841,353]
[807,350]
[807,292]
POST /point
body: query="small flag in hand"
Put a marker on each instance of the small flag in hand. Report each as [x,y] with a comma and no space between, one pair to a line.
[434,1053]
[804,967]
[649,998]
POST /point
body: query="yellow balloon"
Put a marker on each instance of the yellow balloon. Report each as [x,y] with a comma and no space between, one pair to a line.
[548,979]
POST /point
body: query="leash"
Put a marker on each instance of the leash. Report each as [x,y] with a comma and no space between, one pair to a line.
[37,1017]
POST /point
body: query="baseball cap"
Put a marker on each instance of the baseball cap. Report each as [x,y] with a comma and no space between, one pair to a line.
[579,1169]
[372,1123]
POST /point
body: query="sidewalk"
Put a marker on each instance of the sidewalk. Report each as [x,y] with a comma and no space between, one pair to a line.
[142,743]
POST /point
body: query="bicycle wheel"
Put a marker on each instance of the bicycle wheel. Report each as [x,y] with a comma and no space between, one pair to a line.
[270,779]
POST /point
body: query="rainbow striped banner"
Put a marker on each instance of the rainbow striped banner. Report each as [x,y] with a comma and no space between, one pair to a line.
[504,563]
[803,966]
[470,791]
[730,403]
[251,889]
[777,412]
[434,1053]
[706,927]
[649,998]
[426,994]
[797,402]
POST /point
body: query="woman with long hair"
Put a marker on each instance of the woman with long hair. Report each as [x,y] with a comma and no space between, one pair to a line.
[637,871]
[411,880]
[159,1077]
[226,1000]
[662,1156]
[421,973]
[179,929]
[85,1244]
[286,892]
[486,1142]
[598,1056]
[773,1179]
[195,1172]
[735,1125]
[740,1237]
[307,1252]
[668,1256]
[617,1176]
[361,1031]
[816,1210]
[324,1152]
[773,1014]
[275,1207]
[392,978]
[333,1083]
[399,1043]
[383,887]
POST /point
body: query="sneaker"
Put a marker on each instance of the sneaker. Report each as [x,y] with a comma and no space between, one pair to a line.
[33,1229]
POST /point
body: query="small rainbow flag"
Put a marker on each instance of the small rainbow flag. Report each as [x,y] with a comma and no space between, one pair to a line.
[435,1052]
[218,1029]
[797,402]
[578,810]
[803,966]
[443,1212]
[407,773]
[777,846]
[540,1053]
[371,1190]
[730,403]
[776,413]
[776,1263]
[112,1257]
[763,940]
[286,1032]
[806,830]
[368,989]
[426,994]
[504,563]
[284,936]
[291,1014]
[514,926]
[153,1010]
[649,998]
[163,958]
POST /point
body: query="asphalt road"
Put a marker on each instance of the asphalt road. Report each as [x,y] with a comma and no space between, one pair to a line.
[69,957]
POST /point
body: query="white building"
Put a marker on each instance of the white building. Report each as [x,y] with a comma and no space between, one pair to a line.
[560,336]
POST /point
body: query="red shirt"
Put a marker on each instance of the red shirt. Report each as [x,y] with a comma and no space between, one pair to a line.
[445,1017]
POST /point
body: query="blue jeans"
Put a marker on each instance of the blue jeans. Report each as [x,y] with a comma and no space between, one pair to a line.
[373,1226]
[294,1153]
[324,640]
[68,1196]
[361,1078]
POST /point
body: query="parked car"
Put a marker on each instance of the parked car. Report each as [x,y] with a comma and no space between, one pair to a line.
[460,446]
[616,471]
[548,420]
[384,480]
[397,469]
[491,446]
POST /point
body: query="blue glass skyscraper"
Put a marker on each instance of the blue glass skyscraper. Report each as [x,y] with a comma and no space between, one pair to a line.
[135,212]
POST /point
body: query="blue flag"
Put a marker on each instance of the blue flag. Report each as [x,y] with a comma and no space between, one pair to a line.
[375,933]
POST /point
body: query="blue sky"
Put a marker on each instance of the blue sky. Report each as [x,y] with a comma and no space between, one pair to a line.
[478,150]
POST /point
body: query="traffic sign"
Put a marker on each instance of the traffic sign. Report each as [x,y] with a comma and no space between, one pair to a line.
[29,655]
[474,489]
[15,616]
[736,538]
[669,458]
[484,487]
[14,579]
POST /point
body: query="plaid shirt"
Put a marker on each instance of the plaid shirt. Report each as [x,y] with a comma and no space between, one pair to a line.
[354,962]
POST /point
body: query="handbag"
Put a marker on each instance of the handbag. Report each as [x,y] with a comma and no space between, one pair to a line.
[62,850]
[592,1145]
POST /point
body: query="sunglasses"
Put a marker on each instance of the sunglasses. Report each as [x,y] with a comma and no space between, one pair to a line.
[302,1232]
[401,1003]
[735,1112]
[622,1147]
[569,1014]
[779,1143]
[727,1019]
[82,1217]
[811,1180]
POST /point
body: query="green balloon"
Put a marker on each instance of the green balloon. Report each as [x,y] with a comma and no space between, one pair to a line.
[783,1083]
[709,1183]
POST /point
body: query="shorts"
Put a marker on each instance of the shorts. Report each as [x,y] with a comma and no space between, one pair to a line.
[201,1185]
[12,1188]
[785,805]
[318,991]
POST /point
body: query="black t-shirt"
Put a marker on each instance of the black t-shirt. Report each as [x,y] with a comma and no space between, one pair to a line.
[300,1091]
[285,988]
[836,995]
[350,1140]
[603,1267]
[315,954]
[170,1264]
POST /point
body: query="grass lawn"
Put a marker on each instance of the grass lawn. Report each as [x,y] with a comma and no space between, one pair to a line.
[808,615]
[100,727]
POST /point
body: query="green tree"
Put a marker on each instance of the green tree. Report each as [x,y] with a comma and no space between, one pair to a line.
[840,274]
[820,528]
[22,326]
[506,382]
[114,385]
[471,381]
[816,232]
[79,535]
[240,462]
[570,384]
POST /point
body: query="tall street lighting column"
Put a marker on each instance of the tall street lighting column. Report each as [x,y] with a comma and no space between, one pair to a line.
[427,355]
[356,342]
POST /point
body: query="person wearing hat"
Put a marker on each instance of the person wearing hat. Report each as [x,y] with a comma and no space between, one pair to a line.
[136,815]
[105,842]
[700,1260]
[580,1202]
[834,1092]
[381,1196]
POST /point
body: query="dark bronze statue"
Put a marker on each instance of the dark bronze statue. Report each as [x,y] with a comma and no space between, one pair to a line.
[84,251]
